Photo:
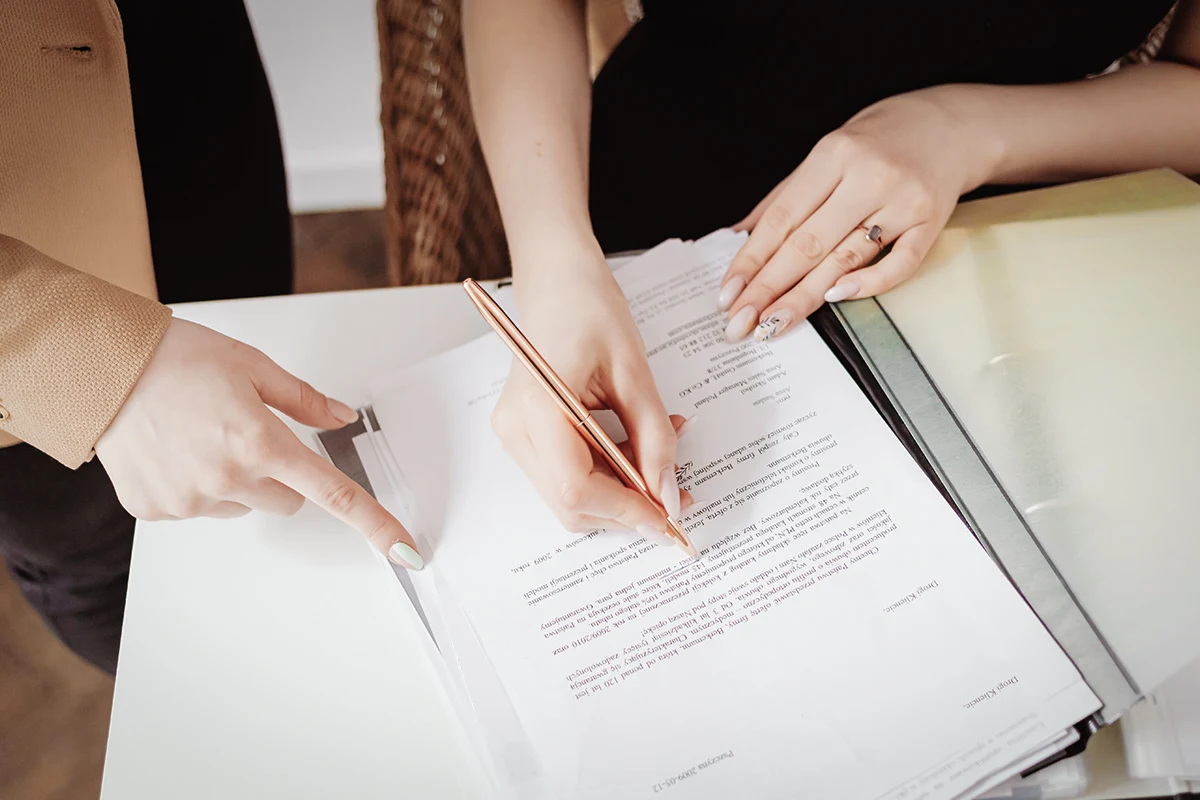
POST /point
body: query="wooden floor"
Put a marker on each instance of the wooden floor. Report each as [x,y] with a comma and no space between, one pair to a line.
[54,708]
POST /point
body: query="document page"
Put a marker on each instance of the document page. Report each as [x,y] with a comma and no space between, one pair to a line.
[841,634]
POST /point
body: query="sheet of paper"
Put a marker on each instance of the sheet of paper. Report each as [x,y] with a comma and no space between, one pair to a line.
[841,635]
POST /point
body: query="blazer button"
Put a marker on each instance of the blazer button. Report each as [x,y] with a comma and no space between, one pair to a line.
[4,415]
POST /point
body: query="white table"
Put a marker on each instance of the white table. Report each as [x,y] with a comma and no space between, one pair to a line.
[266,657]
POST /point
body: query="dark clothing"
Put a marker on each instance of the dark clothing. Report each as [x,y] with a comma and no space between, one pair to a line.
[212,162]
[216,199]
[67,543]
[707,104]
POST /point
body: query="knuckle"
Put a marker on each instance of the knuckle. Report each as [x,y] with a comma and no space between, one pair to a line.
[381,534]
[225,481]
[188,507]
[255,445]
[839,144]
[625,510]
[247,353]
[805,244]
[573,496]
[501,421]
[778,216]
[341,496]
[745,264]
[846,259]
[292,506]
[766,290]
[309,397]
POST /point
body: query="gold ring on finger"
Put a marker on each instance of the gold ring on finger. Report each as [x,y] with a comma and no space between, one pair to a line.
[874,235]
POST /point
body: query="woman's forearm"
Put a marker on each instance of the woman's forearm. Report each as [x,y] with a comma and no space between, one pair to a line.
[531,95]
[1139,117]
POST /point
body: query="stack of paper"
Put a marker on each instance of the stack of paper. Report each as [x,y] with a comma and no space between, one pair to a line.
[841,635]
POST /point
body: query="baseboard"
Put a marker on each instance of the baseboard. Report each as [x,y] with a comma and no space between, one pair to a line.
[335,186]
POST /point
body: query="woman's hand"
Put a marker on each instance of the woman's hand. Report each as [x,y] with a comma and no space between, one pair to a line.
[195,439]
[891,175]
[579,320]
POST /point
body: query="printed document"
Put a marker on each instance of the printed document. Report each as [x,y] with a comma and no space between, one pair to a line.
[841,635]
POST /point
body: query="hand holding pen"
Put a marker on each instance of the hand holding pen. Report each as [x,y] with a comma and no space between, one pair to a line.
[593,499]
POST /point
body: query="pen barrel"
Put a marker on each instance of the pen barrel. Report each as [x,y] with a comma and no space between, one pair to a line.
[628,474]
[571,405]
[624,469]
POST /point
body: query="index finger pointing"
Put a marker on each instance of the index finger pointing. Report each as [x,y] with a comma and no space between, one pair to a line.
[321,482]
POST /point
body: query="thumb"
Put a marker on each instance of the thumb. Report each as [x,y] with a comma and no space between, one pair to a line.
[281,389]
[651,435]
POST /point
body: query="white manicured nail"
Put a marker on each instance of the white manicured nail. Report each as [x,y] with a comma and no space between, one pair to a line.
[685,426]
[773,325]
[341,411]
[405,556]
[741,324]
[729,293]
[669,491]
[840,292]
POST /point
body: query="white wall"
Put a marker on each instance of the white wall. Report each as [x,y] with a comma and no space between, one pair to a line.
[322,58]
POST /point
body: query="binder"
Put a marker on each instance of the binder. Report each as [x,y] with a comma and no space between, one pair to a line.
[890,347]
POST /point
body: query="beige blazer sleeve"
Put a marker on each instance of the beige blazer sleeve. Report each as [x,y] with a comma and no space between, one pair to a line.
[72,346]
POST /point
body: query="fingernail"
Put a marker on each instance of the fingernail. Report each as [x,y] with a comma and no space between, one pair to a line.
[685,426]
[669,491]
[729,293]
[651,535]
[340,410]
[405,556]
[773,325]
[840,292]
[741,324]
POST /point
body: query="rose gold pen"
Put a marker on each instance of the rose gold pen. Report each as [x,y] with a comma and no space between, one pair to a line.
[571,405]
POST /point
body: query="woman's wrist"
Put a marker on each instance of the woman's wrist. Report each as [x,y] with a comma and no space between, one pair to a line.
[555,264]
[980,111]
[533,250]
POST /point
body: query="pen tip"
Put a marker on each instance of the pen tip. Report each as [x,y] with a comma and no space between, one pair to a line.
[681,537]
